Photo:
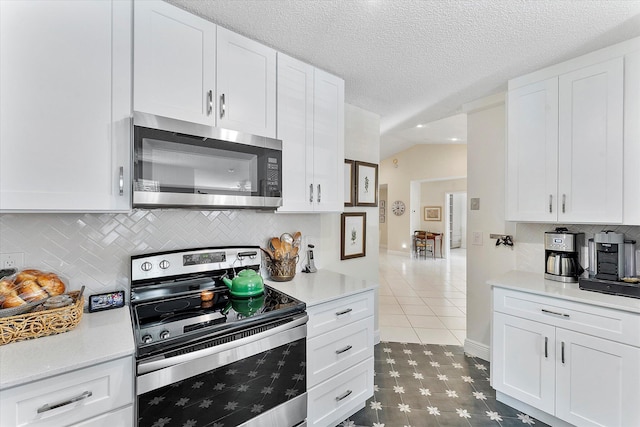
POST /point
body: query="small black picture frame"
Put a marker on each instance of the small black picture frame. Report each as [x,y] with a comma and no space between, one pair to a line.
[106,301]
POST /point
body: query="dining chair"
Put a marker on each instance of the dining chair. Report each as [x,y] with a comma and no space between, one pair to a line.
[420,244]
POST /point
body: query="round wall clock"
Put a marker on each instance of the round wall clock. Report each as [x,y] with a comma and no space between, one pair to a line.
[397,207]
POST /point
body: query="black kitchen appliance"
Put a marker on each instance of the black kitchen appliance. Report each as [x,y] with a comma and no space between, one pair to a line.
[207,357]
[613,269]
[562,255]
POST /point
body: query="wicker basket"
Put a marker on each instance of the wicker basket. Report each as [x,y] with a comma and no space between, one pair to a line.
[281,270]
[41,323]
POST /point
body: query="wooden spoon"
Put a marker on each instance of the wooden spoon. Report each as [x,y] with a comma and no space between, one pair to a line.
[274,244]
[297,238]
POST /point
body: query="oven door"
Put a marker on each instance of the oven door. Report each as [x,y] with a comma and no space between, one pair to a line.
[256,378]
[187,165]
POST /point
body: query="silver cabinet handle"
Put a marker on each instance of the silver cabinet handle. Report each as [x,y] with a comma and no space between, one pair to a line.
[78,398]
[319,194]
[209,102]
[550,203]
[310,193]
[564,202]
[340,313]
[347,348]
[562,352]
[546,347]
[223,106]
[121,181]
[555,313]
[343,396]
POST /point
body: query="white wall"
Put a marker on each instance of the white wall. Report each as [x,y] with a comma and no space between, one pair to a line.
[486,181]
[432,193]
[383,226]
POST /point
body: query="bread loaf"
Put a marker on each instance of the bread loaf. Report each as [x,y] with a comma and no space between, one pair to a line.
[51,283]
[27,286]
[30,290]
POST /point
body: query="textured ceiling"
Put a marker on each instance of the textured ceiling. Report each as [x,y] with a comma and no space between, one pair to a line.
[417,61]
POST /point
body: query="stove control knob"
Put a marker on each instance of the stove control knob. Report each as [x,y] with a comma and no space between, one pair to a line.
[146,339]
[164,335]
[164,264]
[146,266]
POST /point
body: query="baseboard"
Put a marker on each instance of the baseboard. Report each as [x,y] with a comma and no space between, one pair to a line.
[476,349]
[531,411]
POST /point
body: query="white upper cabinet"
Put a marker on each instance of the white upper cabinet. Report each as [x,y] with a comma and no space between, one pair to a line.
[565,145]
[295,129]
[174,63]
[246,84]
[590,143]
[532,151]
[328,142]
[311,127]
[65,79]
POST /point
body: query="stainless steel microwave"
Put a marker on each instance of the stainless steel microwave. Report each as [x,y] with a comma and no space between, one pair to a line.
[181,164]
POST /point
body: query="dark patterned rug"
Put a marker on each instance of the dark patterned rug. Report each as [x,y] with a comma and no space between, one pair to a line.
[424,385]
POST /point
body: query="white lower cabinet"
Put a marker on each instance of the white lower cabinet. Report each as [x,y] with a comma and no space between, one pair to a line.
[339,358]
[100,395]
[546,362]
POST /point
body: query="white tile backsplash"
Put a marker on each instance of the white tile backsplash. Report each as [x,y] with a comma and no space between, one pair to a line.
[95,249]
[529,241]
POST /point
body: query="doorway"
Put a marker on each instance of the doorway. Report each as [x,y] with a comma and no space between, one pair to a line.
[455,214]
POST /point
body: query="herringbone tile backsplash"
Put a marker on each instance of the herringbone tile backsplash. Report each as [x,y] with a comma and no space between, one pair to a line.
[95,249]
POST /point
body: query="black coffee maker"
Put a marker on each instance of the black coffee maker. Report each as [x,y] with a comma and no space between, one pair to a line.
[609,256]
[562,255]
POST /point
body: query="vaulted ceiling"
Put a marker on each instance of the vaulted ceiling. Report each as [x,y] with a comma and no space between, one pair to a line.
[417,61]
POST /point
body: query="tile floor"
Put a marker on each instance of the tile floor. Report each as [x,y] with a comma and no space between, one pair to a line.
[424,385]
[423,300]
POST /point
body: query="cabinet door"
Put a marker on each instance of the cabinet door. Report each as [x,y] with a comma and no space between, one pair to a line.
[246,84]
[65,79]
[523,361]
[328,142]
[295,129]
[174,63]
[590,144]
[532,152]
[598,381]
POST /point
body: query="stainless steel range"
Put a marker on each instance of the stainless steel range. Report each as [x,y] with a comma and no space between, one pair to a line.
[204,357]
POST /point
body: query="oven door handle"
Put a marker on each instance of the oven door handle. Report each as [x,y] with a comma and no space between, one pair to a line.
[155,364]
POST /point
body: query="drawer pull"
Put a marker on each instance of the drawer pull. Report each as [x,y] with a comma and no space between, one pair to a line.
[554,313]
[343,396]
[347,348]
[78,398]
[562,346]
[340,313]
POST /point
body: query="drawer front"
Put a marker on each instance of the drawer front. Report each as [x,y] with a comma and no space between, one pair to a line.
[69,398]
[334,314]
[336,399]
[330,353]
[122,417]
[615,325]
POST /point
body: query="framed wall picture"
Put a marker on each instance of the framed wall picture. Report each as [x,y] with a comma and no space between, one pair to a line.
[366,184]
[349,182]
[432,213]
[353,235]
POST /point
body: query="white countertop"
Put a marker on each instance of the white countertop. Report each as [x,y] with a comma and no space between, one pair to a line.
[322,286]
[99,337]
[535,283]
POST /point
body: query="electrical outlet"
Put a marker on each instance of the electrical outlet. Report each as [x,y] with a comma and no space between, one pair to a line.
[12,260]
